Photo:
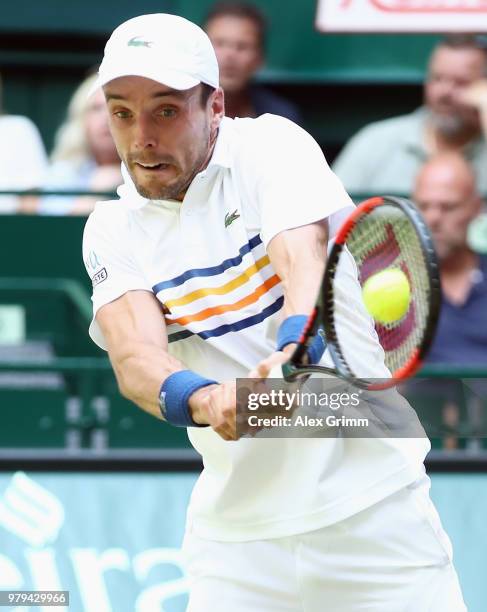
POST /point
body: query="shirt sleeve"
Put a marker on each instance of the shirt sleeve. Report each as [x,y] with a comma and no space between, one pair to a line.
[108,260]
[292,182]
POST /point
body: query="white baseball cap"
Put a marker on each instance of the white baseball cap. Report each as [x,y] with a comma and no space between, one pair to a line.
[165,48]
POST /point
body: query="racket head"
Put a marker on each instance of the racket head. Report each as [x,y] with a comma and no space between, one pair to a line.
[381,233]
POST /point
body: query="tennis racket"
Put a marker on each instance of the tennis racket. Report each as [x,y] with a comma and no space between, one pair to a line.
[381,233]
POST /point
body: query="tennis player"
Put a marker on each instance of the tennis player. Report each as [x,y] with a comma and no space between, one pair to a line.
[204,271]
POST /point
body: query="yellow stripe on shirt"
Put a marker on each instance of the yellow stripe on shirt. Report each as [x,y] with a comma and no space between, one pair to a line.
[223,289]
[218,310]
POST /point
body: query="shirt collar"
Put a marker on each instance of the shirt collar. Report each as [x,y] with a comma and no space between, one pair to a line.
[221,153]
[220,159]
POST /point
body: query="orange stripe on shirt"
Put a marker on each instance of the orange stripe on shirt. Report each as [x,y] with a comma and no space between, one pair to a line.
[222,289]
[249,299]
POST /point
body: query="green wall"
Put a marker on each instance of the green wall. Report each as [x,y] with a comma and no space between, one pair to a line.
[340,81]
[296,50]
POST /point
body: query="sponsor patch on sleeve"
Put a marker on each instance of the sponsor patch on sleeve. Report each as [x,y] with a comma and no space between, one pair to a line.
[99,277]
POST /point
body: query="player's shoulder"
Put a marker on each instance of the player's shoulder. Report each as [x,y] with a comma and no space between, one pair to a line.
[111,211]
[271,134]
[266,123]
[108,218]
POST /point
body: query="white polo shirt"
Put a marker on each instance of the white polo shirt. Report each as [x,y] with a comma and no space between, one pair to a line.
[205,260]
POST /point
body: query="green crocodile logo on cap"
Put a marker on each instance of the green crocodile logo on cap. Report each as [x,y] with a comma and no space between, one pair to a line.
[137,42]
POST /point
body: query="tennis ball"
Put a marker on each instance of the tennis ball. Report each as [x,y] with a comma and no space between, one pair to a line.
[387,295]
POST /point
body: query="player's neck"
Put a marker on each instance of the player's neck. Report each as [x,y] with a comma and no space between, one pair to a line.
[238,104]
[203,166]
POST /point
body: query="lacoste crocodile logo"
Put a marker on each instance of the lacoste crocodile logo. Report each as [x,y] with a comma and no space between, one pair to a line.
[230,218]
[137,42]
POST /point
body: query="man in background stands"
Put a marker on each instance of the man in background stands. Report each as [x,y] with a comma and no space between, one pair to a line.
[238,32]
[385,157]
[447,196]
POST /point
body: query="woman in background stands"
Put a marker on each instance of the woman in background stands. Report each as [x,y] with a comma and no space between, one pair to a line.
[84,156]
[23,159]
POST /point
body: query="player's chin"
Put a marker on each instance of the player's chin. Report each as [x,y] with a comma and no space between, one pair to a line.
[155,189]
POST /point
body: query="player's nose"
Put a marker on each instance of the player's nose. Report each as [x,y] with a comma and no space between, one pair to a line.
[145,136]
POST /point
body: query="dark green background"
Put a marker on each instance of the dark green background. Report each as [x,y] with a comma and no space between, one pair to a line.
[340,81]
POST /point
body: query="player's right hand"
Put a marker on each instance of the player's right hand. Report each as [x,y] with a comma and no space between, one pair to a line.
[216,406]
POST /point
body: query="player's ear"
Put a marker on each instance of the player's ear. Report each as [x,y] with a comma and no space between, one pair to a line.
[217,104]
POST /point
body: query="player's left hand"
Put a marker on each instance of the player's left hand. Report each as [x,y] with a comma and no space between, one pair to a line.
[215,406]
[264,368]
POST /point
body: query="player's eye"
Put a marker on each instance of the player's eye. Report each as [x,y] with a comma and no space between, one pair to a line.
[167,113]
[122,114]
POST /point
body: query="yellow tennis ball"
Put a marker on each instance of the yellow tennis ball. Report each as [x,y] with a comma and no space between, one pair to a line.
[387,295]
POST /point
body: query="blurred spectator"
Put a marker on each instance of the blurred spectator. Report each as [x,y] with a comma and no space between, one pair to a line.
[84,155]
[386,156]
[23,159]
[446,193]
[238,32]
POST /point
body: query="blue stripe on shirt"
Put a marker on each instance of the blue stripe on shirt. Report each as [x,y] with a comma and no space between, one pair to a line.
[212,271]
[231,327]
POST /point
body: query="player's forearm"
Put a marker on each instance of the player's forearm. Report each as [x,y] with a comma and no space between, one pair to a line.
[140,370]
[299,258]
[301,285]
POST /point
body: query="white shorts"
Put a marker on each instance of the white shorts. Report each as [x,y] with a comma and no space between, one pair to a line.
[391,557]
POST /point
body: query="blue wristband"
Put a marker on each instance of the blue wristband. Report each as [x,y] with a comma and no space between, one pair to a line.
[175,393]
[290,332]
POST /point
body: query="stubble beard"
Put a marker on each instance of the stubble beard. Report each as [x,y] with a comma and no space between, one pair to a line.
[177,189]
[164,192]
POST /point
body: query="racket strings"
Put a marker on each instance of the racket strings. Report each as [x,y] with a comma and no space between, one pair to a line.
[384,239]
